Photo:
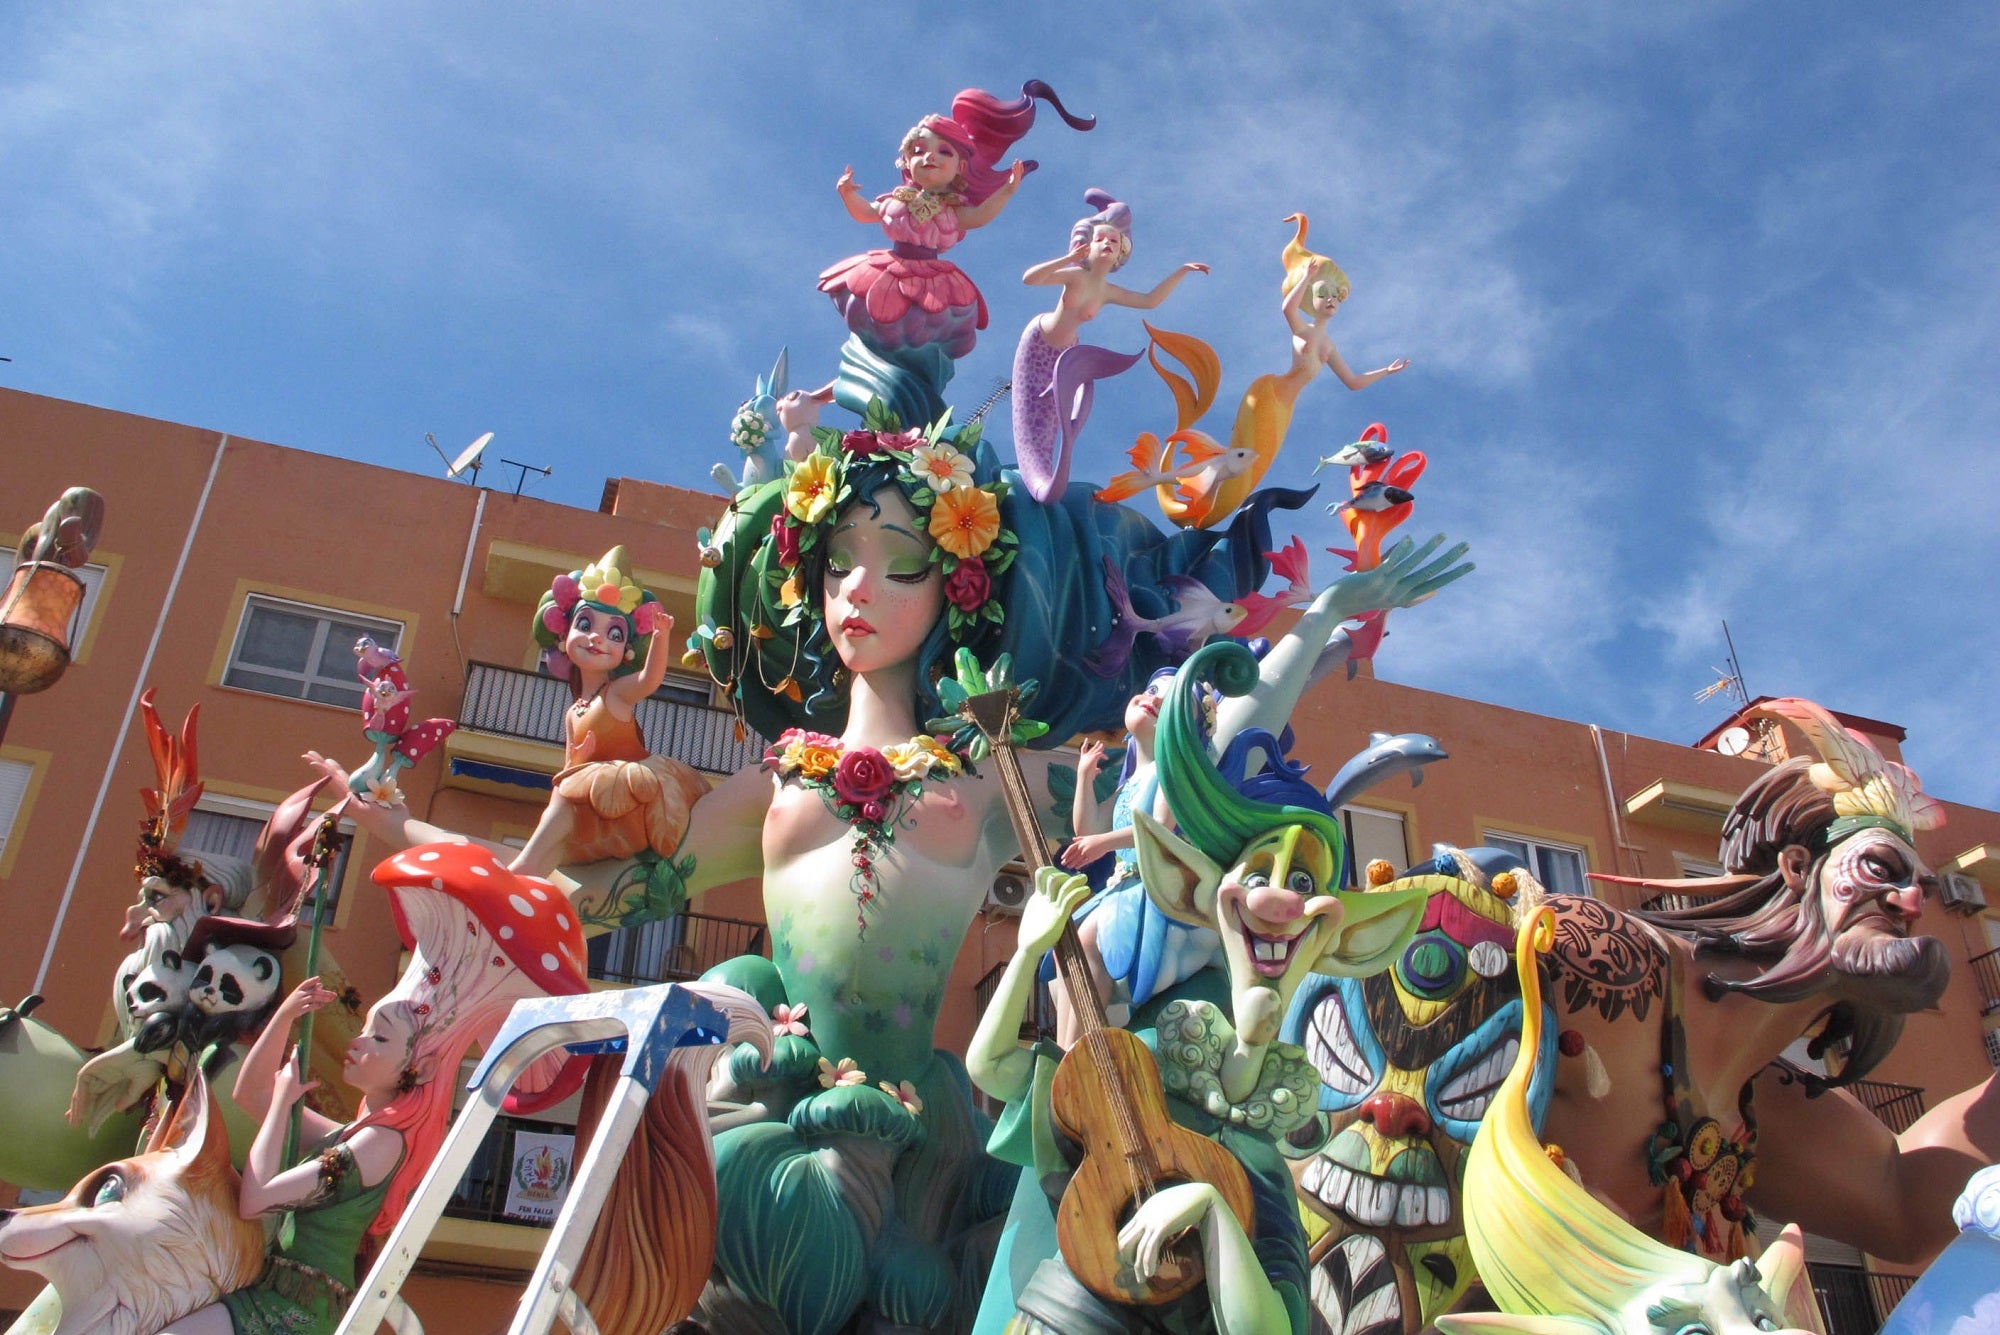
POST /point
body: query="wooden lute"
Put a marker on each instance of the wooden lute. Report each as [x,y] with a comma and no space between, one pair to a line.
[1107,1096]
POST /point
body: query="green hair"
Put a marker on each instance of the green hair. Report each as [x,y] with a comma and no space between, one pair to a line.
[1210,813]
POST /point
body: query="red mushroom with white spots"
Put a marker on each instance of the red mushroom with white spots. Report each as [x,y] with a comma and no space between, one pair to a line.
[482,938]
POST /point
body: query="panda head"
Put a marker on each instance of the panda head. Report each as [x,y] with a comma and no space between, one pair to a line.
[234,980]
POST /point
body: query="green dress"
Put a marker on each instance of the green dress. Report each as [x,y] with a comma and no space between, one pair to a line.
[307,1285]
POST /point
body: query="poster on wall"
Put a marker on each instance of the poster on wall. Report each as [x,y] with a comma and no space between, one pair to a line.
[538,1175]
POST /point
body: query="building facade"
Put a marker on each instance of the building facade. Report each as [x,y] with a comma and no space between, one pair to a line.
[236,575]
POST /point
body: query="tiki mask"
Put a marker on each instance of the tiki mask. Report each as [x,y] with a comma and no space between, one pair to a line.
[1408,1062]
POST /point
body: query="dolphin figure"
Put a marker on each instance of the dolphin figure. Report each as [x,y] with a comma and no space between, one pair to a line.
[1386,754]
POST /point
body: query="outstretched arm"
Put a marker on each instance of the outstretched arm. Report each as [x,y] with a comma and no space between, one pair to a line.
[1408,575]
[1146,301]
[1359,380]
[394,826]
[636,687]
[1293,306]
[996,1061]
[858,207]
[978,215]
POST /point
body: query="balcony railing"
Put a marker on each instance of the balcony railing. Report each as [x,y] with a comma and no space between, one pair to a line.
[482,1192]
[1856,1301]
[509,702]
[672,950]
[1986,972]
[1897,1105]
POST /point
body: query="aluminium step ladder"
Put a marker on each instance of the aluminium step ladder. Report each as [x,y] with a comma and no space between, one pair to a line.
[645,1023]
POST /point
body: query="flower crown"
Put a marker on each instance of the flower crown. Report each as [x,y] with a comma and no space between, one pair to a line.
[935,476]
[608,582]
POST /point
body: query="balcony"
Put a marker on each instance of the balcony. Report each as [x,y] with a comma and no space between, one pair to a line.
[1986,973]
[673,950]
[1898,1106]
[482,1192]
[503,702]
[1855,1301]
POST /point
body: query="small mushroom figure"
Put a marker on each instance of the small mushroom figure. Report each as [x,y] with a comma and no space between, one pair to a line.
[481,938]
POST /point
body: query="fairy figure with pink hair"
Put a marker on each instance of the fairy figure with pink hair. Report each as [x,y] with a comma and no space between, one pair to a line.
[913,312]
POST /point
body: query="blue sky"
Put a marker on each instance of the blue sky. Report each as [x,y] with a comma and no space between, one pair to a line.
[1699,297]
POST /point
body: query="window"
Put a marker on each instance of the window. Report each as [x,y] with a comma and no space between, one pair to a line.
[15,775]
[302,652]
[234,834]
[1373,834]
[1559,867]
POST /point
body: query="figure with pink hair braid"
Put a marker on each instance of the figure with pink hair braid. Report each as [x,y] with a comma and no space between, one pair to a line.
[911,311]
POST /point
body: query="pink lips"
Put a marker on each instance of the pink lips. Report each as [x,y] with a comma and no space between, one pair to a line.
[856,626]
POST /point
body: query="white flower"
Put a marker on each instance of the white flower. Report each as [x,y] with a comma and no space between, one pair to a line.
[942,466]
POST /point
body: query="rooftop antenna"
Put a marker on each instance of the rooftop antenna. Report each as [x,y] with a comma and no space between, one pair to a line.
[526,469]
[471,456]
[1729,677]
[1001,388]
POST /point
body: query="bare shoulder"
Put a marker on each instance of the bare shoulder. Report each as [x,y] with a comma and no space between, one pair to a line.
[1605,960]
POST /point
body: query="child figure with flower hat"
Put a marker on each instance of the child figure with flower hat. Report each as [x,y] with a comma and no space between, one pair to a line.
[613,797]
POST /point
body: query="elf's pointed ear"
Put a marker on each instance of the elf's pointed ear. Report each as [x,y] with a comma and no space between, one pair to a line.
[1374,927]
[1180,879]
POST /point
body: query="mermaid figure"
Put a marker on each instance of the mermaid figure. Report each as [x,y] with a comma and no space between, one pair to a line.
[1055,374]
[912,312]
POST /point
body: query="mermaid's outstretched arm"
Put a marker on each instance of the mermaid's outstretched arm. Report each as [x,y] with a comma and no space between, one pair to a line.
[1408,574]
[1146,301]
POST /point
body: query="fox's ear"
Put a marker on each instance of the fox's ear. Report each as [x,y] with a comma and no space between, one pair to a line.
[195,1133]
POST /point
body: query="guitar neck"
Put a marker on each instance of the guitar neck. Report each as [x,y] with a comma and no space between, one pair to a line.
[1071,963]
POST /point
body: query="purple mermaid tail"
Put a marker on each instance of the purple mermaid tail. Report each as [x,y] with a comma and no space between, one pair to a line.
[1054,389]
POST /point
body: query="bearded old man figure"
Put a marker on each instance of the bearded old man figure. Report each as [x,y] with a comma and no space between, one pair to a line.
[1670,1100]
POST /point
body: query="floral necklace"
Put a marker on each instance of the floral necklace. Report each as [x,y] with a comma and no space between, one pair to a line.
[869,789]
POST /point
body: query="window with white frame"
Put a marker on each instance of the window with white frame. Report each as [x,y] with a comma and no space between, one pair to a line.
[15,776]
[233,832]
[302,652]
[1373,834]
[1559,867]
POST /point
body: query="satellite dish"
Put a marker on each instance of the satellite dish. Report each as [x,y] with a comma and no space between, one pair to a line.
[469,457]
[1734,741]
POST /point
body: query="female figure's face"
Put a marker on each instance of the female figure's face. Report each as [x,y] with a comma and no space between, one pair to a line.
[1107,245]
[882,594]
[931,163]
[1142,711]
[1326,299]
[597,639]
[380,1053]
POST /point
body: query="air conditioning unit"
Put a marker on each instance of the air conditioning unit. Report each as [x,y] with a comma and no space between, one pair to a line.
[1993,1047]
[1961,893]
[1011,888]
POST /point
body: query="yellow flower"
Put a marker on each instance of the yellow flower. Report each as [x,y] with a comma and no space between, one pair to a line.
[816,762]
[603,582]
[965,521]
[810,489]
[942,756]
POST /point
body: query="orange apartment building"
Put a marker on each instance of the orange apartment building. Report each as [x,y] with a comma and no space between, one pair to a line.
[236,575]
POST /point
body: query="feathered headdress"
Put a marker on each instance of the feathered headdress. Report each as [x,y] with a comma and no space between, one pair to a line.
[1867,791]
[168,805]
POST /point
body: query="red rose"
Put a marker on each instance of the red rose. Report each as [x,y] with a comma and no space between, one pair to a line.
[860,444]
[864,775]
[969,586]
[874,812]
[786,539]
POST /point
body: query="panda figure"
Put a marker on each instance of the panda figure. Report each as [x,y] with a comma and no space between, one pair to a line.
[154,983]
[237,981]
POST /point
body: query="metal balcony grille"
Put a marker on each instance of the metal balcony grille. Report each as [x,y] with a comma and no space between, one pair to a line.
[510,702]
[674,949]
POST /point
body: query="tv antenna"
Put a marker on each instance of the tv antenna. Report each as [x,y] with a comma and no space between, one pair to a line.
[1001,389]
[470,457]
[1729,677]
[526,469]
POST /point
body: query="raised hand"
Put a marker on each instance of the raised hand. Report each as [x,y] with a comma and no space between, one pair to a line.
[1058,895]
[1406,577]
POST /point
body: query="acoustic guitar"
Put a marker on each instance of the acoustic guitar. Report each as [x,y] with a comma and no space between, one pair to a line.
[1107,1096]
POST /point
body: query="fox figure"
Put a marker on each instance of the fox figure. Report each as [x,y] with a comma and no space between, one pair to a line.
[139,1244]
